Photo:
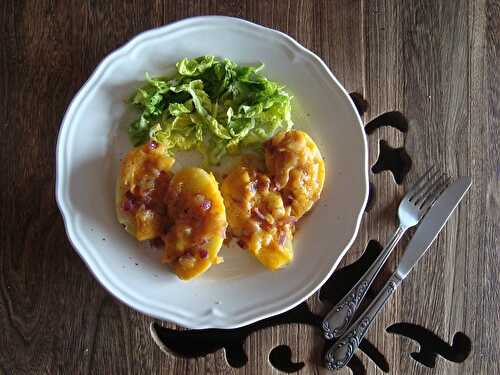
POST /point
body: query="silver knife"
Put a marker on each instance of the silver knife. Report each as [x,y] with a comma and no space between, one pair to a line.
[343,349]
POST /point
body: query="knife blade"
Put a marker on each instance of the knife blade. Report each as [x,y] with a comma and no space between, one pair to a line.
[431,224]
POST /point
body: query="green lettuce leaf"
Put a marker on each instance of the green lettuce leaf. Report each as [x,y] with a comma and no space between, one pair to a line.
[211,105]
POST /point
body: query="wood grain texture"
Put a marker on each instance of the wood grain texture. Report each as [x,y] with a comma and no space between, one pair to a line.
[435,61]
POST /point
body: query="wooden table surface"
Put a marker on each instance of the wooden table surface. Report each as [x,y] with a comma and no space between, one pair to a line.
[435,61]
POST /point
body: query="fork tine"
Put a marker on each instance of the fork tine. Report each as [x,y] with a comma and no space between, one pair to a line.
[427,204]
[416,185]
[423,190]
[429,190]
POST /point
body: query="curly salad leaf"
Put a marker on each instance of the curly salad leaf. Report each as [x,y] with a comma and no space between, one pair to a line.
[211,105]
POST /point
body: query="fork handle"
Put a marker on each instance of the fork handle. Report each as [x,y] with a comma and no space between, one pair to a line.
[344,348]
[340,316]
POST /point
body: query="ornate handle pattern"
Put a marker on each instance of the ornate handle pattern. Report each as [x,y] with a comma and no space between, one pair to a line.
[342,314]
[344,348]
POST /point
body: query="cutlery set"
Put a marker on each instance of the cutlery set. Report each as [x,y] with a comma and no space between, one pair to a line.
[428,204]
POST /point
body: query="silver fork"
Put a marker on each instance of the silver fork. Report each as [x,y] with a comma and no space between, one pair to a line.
[412,208]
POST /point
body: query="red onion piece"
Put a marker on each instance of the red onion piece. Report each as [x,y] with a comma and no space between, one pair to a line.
[127,205]
[206,205]
[130,201]
[282,238]
[256,212]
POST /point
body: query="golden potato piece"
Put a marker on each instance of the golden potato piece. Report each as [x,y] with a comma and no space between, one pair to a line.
[197,220]
[141,186]
[258,217]
[297,168]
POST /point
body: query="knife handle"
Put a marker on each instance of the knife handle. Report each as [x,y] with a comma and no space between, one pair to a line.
[344,348]
[341,315]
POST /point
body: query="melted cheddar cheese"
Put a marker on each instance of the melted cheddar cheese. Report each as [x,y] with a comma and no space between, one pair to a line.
[141,186]
[258,217]
[196,224]
[187,212]
[297,168]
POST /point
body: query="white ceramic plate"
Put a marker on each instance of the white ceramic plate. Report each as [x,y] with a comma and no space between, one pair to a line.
[240,291]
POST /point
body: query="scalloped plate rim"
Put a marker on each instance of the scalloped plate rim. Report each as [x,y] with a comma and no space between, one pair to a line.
[213,317]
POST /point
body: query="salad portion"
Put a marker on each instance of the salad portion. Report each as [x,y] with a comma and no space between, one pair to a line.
[211,105]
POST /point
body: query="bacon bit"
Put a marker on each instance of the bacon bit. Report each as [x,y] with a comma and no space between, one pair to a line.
[198,222]
[263,183]
[167,227]
[152,145]
[237,200]
[203,242]
[241,243]
[160,209]
[256,212]
[268,145]
[127,205]
[229,237]
[161,182]
[266,226]
[289,199]
[157,242]
[130,202]
[203,253]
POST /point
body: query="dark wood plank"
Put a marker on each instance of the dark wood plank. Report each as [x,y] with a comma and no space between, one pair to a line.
[483,239]
[436,61]
[383,85]
[436,65]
